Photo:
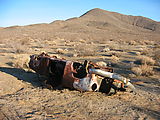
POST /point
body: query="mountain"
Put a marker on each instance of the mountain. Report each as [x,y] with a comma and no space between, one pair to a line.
[118,19]
[103,19]
[96,24]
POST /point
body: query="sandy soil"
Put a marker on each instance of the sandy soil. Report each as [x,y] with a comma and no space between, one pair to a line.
[113,39]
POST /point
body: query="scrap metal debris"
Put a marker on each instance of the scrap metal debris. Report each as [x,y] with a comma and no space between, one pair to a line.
[74,75]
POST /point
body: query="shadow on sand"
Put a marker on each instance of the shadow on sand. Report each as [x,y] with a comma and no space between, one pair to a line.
[21,74]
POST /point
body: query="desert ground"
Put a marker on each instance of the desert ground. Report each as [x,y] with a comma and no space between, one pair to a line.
[129,44]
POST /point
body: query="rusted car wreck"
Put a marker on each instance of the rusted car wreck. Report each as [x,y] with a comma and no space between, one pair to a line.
[74,75]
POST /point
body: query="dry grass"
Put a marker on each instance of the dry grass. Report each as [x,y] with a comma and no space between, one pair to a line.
[119,47]
[137,71]
[101,63]
[115,53]
[82,41]
[21,61]
[60,51]
[19,48]
[85,50]
[144,70]
[51,43]
[114,47]
[105,49]
[146,52]
[145,60]
[132,42]
[156,54]
[114,58]
[18,45]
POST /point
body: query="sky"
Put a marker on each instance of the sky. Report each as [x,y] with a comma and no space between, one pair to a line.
[25,12]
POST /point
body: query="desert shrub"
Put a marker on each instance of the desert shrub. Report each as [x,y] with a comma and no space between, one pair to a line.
[114,47]
[106,49]
[114,58]
[19,49]
[17,46]
[101,63]
[25,41]
[156,54]
[61,51]
[135,53]
[117,47]
[47,42]
[141,42]
[41,44]
[82,41]
[3,41]
[137,71]
[145,60]
[157,45]
[74,55]
[138,53]
[115,53]
[144,70]
[85,50]
[149,42]
[132,42]
[145,52]
[21,61]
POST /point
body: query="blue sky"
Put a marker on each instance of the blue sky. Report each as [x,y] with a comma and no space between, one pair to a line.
[24,12]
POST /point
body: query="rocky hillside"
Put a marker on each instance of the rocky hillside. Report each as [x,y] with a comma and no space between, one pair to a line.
[120,20]
[96,24]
